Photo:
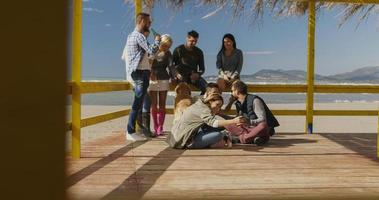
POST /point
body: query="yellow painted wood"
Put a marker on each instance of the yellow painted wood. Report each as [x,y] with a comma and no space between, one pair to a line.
[310,67]
[345,112]
[138,6]
[346,88]
[105,117]
[76,78]
[278,88]
[100,118]
[138,9]
[94,87]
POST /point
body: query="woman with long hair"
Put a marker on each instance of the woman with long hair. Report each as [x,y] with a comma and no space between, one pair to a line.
[197,126]
[229,62]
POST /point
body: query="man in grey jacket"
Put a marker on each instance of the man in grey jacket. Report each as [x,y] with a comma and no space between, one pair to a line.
[261,121]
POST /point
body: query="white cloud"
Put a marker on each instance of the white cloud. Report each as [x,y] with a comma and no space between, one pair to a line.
[88,9]
[259,52]
[213,12]
[187,21]
[108,25]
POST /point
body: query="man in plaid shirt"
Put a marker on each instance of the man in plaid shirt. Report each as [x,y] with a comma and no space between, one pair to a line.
[137,50]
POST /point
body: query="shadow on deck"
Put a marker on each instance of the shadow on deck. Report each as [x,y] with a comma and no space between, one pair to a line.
[292,166]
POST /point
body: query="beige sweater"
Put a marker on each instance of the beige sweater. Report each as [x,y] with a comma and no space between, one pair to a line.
[189,123]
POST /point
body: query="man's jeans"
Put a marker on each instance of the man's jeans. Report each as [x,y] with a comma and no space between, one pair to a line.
[200,83]
[141,83]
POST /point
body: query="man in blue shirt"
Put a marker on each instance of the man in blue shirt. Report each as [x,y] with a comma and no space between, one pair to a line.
[137,49]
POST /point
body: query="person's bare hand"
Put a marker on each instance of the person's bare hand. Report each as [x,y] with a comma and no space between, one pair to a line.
[232,79]
[158,37]
[239,120]
[226,77]
[179,77]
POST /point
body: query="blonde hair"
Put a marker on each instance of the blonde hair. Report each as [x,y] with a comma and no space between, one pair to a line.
[166,39]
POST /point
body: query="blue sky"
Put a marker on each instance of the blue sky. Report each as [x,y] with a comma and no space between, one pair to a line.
[275,44]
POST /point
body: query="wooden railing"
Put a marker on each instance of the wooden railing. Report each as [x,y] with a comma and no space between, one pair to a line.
[97,87]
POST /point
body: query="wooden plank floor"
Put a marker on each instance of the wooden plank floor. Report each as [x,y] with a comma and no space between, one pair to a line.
[292,166]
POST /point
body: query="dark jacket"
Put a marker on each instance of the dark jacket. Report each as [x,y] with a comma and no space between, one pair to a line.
[186,61]
[247,110]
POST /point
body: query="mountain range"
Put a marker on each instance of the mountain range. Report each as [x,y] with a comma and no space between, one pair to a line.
[361,75]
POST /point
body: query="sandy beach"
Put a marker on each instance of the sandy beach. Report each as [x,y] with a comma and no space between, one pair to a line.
[289,124]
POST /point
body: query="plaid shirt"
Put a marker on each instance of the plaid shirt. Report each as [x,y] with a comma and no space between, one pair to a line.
[137,46]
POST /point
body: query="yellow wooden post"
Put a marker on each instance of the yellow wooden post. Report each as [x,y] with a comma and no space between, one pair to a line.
[138,6]
[76,77]
[310,67]
[137,9]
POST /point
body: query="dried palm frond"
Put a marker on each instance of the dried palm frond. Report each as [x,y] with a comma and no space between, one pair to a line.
[279,8]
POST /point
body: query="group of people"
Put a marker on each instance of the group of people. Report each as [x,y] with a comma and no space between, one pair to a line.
[151,68]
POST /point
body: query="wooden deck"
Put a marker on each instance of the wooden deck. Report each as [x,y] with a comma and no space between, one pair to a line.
[292,166]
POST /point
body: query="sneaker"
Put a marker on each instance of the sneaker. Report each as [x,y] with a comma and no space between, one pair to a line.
[260,141]
[135,137]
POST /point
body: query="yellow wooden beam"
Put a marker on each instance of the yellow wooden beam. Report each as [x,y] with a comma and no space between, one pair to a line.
[76,78]
[346,89]
[345,112]
[271,88]
[105,117]
[100,118]
[94,87]
[310,67]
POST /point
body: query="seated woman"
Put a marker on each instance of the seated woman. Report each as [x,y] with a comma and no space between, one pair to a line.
[188,131]
[229,62]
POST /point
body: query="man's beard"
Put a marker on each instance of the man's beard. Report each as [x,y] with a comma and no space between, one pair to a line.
[145,28]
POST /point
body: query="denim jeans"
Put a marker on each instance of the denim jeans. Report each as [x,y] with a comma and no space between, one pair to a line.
[141,83]
[200,83]
[146,104]
[204,139]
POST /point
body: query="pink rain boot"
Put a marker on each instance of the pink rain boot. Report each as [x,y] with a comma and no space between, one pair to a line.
[161,118]
[154,114]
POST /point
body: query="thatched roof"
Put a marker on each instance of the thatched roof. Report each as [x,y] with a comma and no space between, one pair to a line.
[254,9]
